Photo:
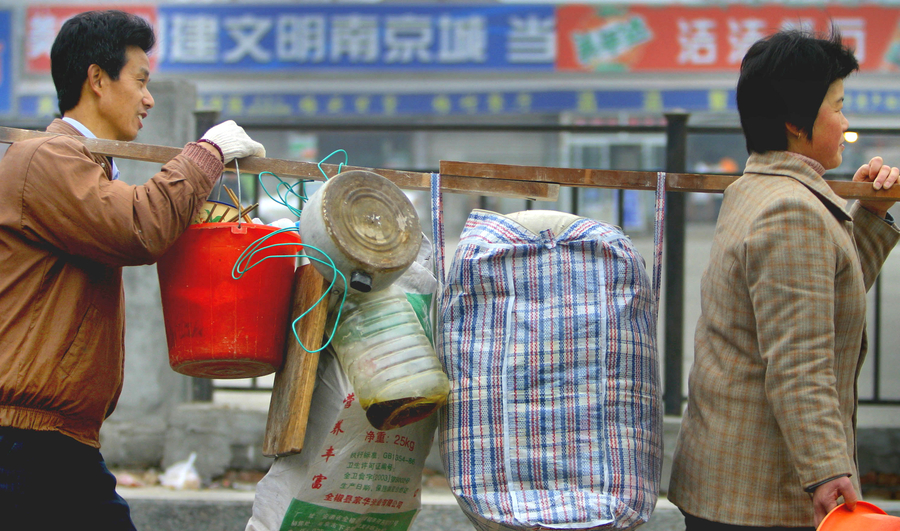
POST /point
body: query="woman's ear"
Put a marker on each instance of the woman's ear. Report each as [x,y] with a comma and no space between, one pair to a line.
[793,131]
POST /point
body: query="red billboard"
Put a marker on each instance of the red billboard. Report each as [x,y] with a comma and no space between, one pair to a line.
[42,23]
[681,38]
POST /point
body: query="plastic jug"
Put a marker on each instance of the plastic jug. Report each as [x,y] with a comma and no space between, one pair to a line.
[396,375]
[366,225]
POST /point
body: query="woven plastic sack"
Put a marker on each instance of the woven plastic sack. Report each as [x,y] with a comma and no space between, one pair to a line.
[549,339]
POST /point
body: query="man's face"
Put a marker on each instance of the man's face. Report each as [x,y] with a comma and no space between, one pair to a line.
[125,101]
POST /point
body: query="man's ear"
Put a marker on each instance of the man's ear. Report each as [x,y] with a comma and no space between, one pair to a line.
[96,77]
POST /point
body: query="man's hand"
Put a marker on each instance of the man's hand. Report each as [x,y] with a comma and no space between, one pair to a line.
[233,141]
[881,177]
[825,498]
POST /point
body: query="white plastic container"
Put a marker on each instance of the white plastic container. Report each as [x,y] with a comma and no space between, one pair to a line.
[382,347]
[366,225]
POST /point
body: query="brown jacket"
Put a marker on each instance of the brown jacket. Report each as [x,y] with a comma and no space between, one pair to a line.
[778,348]
[66,231]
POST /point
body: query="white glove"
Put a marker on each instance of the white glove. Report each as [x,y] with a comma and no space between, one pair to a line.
[233,141]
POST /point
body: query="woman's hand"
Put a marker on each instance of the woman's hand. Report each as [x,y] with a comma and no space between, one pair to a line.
[825,498]
[882,177]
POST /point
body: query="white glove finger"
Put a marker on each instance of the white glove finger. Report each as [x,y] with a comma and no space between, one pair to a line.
[257,149]
[244,146]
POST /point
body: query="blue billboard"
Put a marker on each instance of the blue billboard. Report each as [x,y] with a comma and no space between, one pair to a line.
[6,80]
[238,105]
[385,37]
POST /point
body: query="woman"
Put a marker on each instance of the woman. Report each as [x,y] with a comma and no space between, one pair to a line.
[768,438]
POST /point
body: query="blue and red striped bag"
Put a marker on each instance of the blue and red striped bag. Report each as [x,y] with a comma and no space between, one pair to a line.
[548,335]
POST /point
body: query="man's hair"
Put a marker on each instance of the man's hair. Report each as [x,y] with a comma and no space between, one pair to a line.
[94,37]
[784,79]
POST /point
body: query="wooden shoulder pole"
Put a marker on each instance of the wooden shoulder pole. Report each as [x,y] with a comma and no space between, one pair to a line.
[306,170]
[635,180]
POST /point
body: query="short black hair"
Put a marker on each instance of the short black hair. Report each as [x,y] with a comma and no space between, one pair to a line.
[784,79]
[94,37]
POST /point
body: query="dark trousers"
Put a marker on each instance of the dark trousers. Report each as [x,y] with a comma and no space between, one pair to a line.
[51,481]
[692,523]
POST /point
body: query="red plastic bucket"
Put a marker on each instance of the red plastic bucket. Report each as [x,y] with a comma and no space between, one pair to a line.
[219,327]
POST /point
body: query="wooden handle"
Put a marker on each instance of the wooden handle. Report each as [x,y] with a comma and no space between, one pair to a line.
[636,180]
[305,170]
[294,382]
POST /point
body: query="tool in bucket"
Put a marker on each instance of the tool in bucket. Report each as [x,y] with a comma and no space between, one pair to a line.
[217,323]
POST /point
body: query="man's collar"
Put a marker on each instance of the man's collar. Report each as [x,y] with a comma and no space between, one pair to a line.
[80,126]
[87,133]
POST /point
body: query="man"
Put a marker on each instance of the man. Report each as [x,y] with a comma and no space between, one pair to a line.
[67,227]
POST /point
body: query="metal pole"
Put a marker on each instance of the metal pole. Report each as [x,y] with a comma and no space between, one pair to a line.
[620,208]
[202,388]
[876,343]
[676,161]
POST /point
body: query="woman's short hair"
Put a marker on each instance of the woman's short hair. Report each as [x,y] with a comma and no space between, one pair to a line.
[94,37]
[784,78]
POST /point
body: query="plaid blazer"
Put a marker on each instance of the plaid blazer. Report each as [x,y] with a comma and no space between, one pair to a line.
[778,347]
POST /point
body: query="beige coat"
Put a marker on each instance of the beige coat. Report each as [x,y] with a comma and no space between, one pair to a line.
[66,231]
[778,348]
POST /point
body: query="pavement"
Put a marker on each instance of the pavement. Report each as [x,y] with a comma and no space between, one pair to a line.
[162,509]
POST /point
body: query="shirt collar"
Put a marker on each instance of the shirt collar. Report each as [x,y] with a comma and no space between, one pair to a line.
[814,164]
[87,133]
[787,164]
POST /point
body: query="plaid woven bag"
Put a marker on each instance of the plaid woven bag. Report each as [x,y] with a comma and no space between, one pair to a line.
[549,339]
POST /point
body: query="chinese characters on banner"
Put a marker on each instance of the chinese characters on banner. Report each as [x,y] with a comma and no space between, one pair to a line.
[386,37]
[450,37]
[42,23]
[433,38]
[672,39]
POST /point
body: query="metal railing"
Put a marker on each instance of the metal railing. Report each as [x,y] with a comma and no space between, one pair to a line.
[676,132]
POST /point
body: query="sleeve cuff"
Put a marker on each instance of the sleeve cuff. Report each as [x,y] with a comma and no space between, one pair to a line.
[810,489]
[856,208]
[209,164]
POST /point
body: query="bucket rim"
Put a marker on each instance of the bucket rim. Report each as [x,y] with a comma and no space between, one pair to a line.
[841,516]
[254,226]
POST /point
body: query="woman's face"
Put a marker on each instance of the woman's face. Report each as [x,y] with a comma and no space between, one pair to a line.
[827,142]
